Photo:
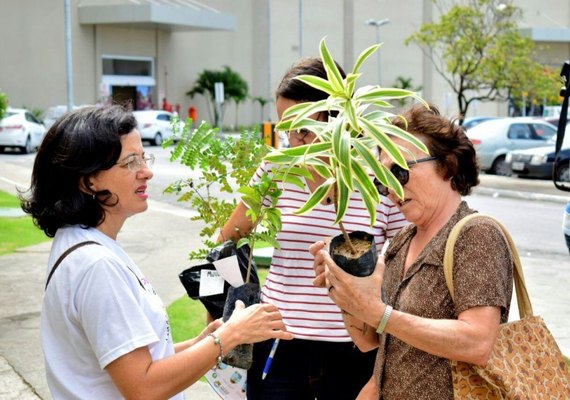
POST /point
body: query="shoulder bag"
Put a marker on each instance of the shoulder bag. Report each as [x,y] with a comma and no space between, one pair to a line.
[526,363]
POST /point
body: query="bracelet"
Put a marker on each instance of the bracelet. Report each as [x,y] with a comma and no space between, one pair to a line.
[218,342]
[385,318]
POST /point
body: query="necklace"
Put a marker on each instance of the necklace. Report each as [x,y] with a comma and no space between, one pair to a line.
[329,200]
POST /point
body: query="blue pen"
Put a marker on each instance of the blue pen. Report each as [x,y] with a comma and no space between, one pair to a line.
[269,359]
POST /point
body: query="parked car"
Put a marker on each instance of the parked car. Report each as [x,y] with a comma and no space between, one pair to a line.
[470,122]
[19,128]
[537,162]
[493,139]
[155,125]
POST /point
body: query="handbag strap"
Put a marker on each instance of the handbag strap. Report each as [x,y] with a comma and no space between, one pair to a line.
[65,254]
[523,300]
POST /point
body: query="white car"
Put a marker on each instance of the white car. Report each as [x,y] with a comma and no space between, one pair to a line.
[19,128]
[154,126]
[493,139]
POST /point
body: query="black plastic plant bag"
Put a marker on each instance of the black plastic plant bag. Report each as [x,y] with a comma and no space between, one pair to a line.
[190,278]
[363,266]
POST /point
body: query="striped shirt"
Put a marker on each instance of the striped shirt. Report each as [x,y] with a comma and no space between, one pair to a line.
[307,310]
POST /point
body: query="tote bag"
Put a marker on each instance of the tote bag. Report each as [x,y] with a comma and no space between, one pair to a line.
[526,363]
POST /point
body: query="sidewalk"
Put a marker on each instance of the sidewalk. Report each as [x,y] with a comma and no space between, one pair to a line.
[159,240]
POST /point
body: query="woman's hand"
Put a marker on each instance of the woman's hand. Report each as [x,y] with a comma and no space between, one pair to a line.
[257,323]
[357,296]
[318,264]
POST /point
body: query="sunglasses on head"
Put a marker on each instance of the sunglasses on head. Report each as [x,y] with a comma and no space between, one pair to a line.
[401,174]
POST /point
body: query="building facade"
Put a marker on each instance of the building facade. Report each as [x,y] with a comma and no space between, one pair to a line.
[143,51]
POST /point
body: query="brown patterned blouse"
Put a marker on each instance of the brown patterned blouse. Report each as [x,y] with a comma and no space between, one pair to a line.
[482,275]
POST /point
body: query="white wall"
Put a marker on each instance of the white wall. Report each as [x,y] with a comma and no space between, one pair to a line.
[32,70]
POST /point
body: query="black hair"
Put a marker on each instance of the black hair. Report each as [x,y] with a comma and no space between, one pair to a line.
[77,146]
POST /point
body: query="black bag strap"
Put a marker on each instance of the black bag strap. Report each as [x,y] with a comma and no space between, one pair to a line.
[65,254]
[565,93]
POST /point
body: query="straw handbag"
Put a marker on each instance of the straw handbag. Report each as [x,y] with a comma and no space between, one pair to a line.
[526,362]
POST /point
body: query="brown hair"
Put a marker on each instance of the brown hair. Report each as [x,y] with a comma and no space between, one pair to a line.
[294,89]
[446,140]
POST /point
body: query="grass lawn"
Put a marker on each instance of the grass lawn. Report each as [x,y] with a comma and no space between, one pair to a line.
[7,200]
[19,231]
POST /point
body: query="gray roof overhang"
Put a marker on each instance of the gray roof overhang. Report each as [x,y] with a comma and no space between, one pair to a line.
[161,16]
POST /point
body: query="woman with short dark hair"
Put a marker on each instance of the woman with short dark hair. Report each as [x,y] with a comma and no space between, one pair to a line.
[105,332]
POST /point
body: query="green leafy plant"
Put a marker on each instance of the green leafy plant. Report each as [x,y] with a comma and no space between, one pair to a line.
[3,104]
[225,167]
[405,83]
[346,150]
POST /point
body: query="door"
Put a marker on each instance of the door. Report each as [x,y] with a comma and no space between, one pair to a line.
[125,96]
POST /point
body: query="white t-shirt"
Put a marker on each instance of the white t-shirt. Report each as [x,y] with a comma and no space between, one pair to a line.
[308,312]
[98,307]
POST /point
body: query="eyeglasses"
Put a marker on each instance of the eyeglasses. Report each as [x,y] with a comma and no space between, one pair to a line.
[299,135]
[401,174]
[135,162]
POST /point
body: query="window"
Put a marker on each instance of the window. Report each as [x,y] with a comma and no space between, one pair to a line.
[127,67]
[543,131]
[519,131]
[31,118]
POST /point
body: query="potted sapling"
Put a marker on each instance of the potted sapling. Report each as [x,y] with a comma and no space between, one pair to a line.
[346,151]
[223,169]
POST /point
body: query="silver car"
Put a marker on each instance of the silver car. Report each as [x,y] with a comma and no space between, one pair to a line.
[495,138]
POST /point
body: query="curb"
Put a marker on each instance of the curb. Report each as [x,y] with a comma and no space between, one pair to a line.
[514,194]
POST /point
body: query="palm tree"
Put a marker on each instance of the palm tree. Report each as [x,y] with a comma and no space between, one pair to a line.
[235,89]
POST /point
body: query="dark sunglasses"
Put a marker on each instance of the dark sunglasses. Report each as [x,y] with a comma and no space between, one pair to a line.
[401,174]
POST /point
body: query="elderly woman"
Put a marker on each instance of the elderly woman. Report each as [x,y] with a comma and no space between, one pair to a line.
[105,332]
[416,325]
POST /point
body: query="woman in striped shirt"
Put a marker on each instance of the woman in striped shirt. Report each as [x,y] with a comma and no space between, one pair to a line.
[322,361]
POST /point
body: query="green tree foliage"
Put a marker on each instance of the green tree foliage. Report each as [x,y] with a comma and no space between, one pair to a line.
[225,166]
[477,48]
[235,89]
[3,103]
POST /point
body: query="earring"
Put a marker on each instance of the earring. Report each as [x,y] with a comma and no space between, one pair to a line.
[93,197]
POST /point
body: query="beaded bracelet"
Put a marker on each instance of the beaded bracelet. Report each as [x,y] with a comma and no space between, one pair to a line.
[384,320]
[218,342]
